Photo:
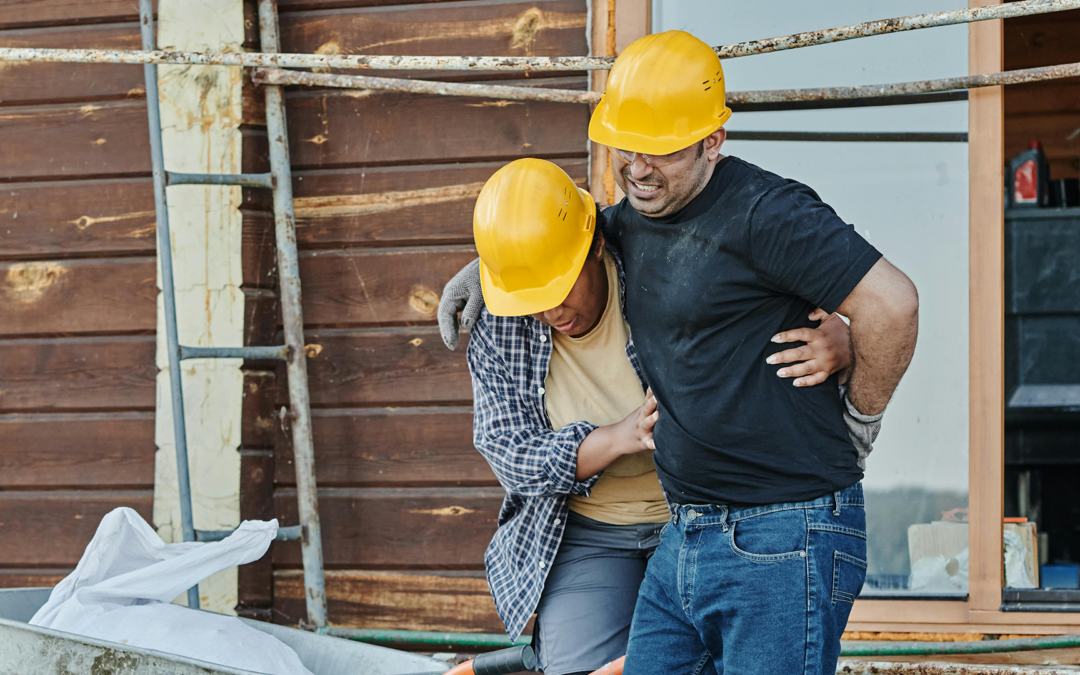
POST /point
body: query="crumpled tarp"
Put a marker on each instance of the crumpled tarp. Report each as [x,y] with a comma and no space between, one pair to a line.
[124,585]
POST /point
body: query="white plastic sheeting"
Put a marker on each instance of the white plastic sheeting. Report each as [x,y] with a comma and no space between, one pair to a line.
[122,587]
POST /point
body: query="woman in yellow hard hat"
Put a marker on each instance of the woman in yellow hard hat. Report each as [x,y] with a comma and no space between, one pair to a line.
[564,418]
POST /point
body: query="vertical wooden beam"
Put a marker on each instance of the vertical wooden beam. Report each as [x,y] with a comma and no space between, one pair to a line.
[615,24]
[601,43]
[986,317]
[633,19]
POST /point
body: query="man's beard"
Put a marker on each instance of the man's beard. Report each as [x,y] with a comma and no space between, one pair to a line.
[649,206]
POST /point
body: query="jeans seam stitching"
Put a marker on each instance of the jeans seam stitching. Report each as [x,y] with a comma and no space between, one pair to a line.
[679,571]
[790,507]
[690,582]
[807,549]
[838,557]
[838,530]
[708,521]
[856,560]
[701,662]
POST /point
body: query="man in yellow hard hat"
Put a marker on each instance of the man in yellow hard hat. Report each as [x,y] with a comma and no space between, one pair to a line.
[564,419]
[766,551]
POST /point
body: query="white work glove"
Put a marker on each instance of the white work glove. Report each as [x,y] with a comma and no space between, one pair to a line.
[461,294]
[863,429]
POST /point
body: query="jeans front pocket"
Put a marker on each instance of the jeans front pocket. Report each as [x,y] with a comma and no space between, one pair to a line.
[849,572]
[770,537]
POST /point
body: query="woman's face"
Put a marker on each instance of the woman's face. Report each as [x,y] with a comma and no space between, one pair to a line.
[581,310]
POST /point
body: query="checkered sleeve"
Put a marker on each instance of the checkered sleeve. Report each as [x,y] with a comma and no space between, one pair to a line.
[527,456]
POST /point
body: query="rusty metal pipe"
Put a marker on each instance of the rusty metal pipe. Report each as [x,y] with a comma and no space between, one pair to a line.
[907,88]
[536,63]
[517,93]
[168,291]
[292,316]
[898,25]
[279,77]
[882,668]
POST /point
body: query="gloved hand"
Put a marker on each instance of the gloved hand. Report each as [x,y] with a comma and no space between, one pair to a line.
[863,429]
[461,294]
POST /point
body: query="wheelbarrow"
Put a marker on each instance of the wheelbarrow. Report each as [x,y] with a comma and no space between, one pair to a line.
[30,650]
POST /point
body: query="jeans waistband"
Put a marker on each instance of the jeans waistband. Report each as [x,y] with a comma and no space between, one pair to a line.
[706,513]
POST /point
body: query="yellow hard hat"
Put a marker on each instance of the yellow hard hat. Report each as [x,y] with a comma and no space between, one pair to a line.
[665,93]
[533,229]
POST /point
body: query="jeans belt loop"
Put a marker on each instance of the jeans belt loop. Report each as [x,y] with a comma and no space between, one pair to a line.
[836,503]
[724,518]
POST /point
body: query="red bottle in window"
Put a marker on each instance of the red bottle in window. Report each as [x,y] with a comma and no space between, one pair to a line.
[1029,176]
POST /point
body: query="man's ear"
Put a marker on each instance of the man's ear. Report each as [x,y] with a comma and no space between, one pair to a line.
[713,142]
[598,250]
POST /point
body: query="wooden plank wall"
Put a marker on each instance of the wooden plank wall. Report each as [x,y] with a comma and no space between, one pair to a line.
[384,186]
[1044,111]
[77,291]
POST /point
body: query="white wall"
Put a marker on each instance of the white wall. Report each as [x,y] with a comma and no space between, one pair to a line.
[200,122]
[908,199]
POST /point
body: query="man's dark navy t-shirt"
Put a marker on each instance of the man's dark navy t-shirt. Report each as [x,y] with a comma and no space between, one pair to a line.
[706,289]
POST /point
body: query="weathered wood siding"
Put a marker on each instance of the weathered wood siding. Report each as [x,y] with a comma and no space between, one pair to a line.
[1044,111]
[77,292]
[384,186]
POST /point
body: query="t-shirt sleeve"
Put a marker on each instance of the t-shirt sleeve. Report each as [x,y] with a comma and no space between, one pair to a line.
[800,246]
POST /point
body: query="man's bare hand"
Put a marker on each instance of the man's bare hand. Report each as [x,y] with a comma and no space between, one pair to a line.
[636,429]
[827,351]
[605,444]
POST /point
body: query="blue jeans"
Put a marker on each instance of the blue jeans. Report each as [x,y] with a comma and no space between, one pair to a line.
[751,590]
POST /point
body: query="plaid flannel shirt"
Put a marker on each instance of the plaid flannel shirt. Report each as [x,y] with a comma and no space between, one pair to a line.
[508,360]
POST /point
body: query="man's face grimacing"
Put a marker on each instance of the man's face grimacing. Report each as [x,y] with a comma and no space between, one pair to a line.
[583,308]
[661,188]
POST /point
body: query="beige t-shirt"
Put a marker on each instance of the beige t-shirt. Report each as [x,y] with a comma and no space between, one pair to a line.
[591,379]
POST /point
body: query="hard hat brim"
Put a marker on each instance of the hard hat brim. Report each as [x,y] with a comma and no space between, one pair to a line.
[528,301]
[605,135]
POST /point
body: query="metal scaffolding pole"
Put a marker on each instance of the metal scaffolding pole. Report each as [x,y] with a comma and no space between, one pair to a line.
[536,63]
[293,322]
[168,291]
[868,91]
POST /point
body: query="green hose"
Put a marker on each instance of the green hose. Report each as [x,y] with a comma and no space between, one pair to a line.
[848,648]
[408,637]
[857,648]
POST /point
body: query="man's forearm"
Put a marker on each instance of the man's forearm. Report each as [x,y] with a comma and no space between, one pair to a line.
[599,449]
[884,313]
[882,346]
